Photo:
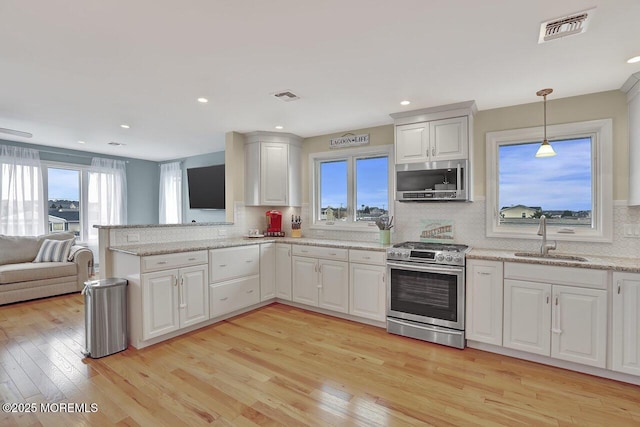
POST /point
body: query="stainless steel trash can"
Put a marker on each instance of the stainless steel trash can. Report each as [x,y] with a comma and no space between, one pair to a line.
[105,314]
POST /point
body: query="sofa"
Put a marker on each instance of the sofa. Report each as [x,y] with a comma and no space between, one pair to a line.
[23,279]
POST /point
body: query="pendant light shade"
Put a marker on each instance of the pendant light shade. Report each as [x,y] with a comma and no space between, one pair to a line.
[545,150]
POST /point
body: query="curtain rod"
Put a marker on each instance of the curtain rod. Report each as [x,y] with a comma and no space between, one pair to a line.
[72,155]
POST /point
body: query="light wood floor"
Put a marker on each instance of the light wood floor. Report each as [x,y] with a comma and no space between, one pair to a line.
[284,366]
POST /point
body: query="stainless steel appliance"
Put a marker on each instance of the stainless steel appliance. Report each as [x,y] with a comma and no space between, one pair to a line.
[105,305]
[432,181]
[425,292]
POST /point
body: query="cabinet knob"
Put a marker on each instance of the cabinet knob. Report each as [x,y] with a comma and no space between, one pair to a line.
[222,265]
[224,299]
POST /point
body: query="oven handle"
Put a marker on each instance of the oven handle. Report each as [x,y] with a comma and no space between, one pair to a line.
[426,269]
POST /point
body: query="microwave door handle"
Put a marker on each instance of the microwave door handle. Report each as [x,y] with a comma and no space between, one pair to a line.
[458,177]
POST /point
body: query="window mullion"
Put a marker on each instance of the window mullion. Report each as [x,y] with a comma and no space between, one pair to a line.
[351,190]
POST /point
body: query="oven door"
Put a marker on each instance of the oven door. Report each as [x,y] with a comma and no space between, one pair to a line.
[430,294]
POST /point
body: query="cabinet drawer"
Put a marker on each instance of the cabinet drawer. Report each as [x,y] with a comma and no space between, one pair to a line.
[570,276]
[230,263]
[320,252]
[233,295]
[367,257]
[167,261]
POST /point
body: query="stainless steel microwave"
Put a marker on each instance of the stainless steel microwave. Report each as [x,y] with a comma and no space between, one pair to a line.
[445,180]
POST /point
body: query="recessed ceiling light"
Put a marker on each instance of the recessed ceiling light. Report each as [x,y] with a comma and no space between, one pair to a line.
[116,144]
[279,127]
[81,142]
[125,126]
[203,100]
[633,60]
[405,103]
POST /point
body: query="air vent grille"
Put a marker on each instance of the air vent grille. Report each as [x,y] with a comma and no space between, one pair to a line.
[286,95]
[576,23]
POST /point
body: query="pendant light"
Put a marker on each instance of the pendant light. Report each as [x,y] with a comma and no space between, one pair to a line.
[545,150]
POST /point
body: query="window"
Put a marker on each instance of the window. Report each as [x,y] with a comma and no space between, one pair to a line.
[65,193]
[351,188]
[572,189]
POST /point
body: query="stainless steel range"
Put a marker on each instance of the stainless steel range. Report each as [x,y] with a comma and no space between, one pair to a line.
[425,295]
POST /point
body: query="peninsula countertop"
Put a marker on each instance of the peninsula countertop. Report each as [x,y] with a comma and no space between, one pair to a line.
[197,245]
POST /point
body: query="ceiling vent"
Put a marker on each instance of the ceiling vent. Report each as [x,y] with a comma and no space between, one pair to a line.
[16,132]
[570,25]
[286,96]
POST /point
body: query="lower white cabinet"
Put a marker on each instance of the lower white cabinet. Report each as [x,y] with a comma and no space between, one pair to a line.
[233,295]
[567,322]
[283,271]
[174,299]
[626,323]
[483,321]
[267,271]
[367,291]
[321,283]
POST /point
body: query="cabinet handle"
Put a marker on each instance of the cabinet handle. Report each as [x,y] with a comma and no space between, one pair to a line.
[619,288]
[183,304]
[161,262]
[333,253]
[366,257]
[384,278]
[250,291]
[557,329]
[547,299]
[433,151]
[175,280]
[192,259]
[222,265]
[484,273]
[249,261]
[224,299]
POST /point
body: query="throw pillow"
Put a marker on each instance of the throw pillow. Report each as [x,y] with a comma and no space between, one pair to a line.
[54,250]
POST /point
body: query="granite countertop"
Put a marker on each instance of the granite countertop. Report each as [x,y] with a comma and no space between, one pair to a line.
[189,224]
[196,245]
[631,265]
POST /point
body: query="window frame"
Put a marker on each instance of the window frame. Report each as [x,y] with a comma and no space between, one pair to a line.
[84,188]
[601,132]
[350,155]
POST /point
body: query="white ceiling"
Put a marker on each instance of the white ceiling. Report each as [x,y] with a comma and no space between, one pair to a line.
[75,70]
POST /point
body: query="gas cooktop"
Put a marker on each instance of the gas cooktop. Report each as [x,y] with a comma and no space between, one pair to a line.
[432,253]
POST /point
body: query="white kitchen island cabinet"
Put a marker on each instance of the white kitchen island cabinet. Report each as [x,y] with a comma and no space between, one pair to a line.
[626,323]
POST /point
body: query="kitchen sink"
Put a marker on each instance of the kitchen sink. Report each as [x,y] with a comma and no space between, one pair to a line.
[551,256]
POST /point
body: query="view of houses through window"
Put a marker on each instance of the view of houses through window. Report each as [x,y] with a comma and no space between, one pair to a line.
[559,187]
[63,194]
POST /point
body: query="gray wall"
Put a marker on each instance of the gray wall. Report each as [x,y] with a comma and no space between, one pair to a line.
[199,215]
[143,179]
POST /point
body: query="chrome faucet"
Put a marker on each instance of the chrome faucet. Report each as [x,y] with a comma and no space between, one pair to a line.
[542,231]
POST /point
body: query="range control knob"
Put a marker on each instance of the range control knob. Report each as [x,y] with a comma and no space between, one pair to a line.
[448,258]
[457,259]
[439,257]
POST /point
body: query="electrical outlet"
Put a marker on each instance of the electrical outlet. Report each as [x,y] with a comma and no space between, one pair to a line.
[132,238]
[632,230]
[222,231]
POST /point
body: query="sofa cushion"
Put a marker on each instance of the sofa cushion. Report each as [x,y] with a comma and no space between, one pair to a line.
[28,271]
[54,250]
[15,249]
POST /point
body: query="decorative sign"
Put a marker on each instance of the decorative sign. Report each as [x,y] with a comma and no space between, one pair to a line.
[436,230]
[349,140]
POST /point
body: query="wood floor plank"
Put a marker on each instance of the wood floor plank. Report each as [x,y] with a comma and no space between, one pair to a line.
[281,365]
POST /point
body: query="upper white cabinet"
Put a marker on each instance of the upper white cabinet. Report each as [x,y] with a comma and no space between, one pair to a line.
[434,134]
[632,88]
[272,169]
[484,301]
[626,323]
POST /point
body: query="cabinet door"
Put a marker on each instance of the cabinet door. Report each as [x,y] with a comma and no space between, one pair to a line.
[484,301]
[626,323]
[274,172]
[283,271]
[160,303]
[367,291]
[412,143]
[230,263]
[579,323]
[449,138]
[194,295]
[527,316]
[334,285]
[305,280]
[267,271]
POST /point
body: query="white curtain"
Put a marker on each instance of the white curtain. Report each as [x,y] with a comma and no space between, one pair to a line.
[21,196]
[170,193]
[107,195]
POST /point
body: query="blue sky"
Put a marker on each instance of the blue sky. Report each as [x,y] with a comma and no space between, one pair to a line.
[371,183]
[64,184]
[562,182]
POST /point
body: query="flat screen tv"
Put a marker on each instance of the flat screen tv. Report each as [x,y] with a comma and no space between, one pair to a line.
[206,187]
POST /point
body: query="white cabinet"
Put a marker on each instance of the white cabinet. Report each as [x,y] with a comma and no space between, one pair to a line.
[283,271]
[267,271]
[626,323]
[367,287]
[483,321]
[556,311]
[446,139]
[632,88]
[321,282]
[235,278]
[272,169]
[174,299]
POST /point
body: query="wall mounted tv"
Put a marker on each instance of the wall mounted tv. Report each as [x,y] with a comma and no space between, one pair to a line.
[206,187]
